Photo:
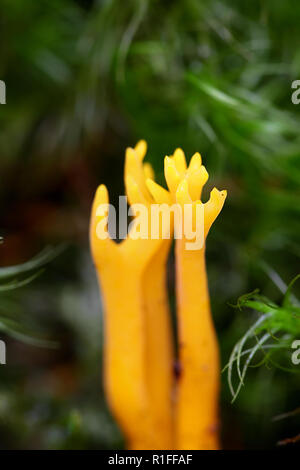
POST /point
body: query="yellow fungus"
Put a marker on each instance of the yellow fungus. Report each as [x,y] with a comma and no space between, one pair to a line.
[198,388]
[138,350]
[138,346]
[196,418]
[159,343]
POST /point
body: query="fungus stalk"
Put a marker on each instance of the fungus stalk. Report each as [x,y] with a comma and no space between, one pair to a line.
[137,334]
[124,340]
[199,382]
[159,342]
[159,352]
[196,417]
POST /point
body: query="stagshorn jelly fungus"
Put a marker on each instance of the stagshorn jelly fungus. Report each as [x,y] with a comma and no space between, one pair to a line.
[155,409]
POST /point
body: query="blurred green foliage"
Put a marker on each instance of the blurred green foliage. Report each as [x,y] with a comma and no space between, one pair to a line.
[275,331]
[14,277]
[84,80]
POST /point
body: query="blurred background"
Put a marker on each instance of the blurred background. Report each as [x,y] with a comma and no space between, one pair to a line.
[87,78]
